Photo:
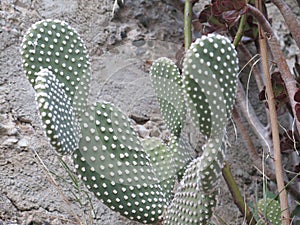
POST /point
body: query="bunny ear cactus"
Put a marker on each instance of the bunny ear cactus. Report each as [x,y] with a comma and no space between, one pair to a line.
[113,164]
[167,84]
[210,77]
[186,207]
[269,211]
[163,163]
[57,66]
[196,196]
[107,153]
[57,113]
[56,46]
[168,161]
[209,86]
[132,177]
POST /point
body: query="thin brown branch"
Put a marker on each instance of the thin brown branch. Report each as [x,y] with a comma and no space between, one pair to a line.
[285,216]
[290,19]
[290,82]
[284,205]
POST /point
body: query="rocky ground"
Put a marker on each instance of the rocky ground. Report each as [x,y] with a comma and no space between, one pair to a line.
[34,186]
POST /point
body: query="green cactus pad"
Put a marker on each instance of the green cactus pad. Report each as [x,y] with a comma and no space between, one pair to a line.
[167,83]
[114,166]
[54,45]
[211,164]
[210,71]
[195,197]
[56,112]
[163,163]
[269,212]
[182,153]
[169,161]
[190,206]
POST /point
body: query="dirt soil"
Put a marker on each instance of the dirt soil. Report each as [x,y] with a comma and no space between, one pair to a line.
[35,189]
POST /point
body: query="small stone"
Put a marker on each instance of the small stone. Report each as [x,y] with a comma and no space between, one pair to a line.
[10,141]
[239,172]
[140,51]
[139,119]
[155,132]
[8,129]
[150,43]
[13,132]
[123,34]
[112,39]
[139,42]
[156,119]
[142,131]
[144,20]
[23,143]
[149,125]
[165,135]
[163,126]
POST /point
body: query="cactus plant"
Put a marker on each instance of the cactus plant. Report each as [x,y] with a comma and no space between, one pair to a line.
[168,161]
[52,49]
[112,163]
[208,85]
[167,84]
[74,128]
[134,177]
[195,198]
[210,78]
[269,211]
[57,113]
[55,45]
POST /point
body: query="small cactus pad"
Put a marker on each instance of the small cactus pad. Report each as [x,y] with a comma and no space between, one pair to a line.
[169,161]
[57,113]
[182,153]
[114,166]
[211,164]
[167,83]
[269,212]
[54,45]
[190,206]
[163,163]
[210,71]
[195,197]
